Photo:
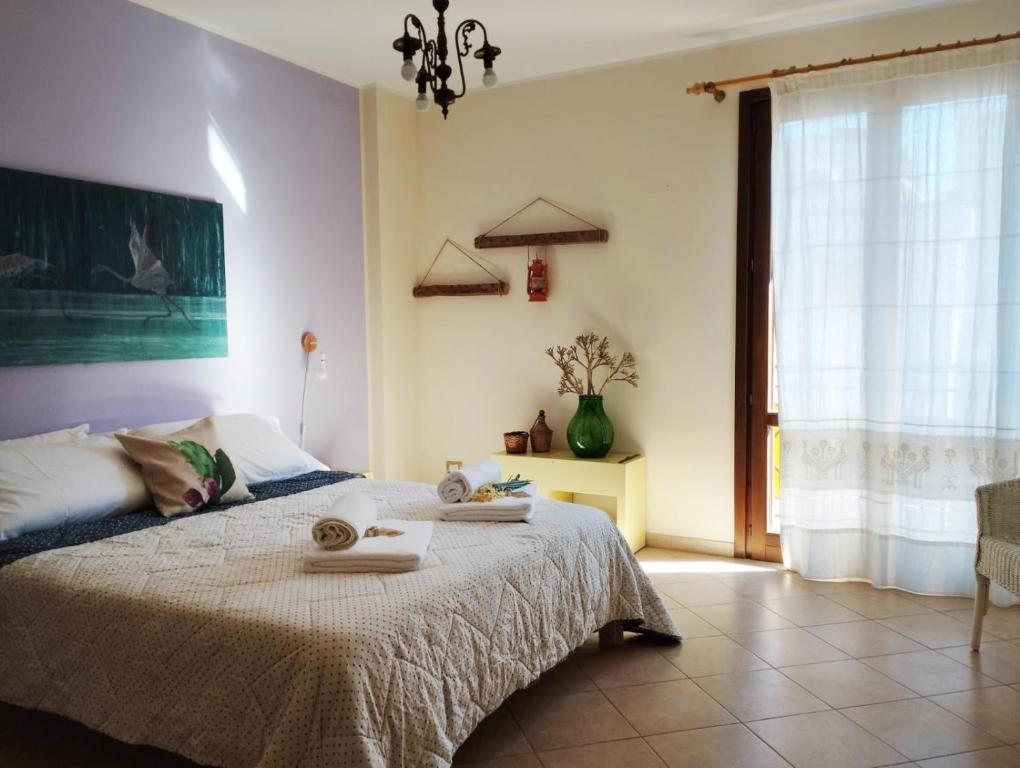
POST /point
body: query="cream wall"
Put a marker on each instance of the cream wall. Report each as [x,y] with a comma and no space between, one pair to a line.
[392,217]
[627,148]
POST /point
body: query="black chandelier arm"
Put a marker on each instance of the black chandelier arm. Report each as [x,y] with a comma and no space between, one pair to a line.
[412,22]
[463,46]
[462,33]
[428,58]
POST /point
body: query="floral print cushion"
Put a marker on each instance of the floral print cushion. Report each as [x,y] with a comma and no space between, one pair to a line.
[186,470]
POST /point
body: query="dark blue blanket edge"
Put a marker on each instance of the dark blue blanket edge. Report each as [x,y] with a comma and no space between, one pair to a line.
[72,534]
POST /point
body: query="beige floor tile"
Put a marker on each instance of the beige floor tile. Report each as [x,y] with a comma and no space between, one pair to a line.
[864,638]
[741,617]
[668,601]
[996,710]
[919,729]
[1001,757]
[811,610]
[783,647]
[630,665]
[1000,661]
[570,720]
[657,554]
[1001,622]
[847,683]
[761,694]
[726,746]
[660,577]
[498,735]
[835,587]
[692,625]
[879,603]
[825,740]
[565,677]
[664,707]
[711,656]
[766,586]
[630,753]
[945,603]
[935,630]
[513,761]
[690,594]
[929,672]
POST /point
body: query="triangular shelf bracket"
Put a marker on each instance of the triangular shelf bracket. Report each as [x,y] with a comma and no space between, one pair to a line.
[593,235]
[496,288]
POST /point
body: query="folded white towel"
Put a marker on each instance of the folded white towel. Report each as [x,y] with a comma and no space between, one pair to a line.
[380,553]
[509,509]
[462,484]
[346,521]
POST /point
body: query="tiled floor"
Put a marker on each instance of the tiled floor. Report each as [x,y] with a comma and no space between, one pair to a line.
[774,671]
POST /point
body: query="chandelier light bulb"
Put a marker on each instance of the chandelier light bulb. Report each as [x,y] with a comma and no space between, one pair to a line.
[489,79]
[408,71]
[422,102]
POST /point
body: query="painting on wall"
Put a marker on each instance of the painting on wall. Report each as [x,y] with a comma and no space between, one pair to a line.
[93,272]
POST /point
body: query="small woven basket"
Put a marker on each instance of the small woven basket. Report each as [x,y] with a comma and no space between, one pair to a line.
[516,442]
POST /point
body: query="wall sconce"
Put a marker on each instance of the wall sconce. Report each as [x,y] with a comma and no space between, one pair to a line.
[309,343]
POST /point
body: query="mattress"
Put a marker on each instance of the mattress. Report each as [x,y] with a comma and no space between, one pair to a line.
[203,637]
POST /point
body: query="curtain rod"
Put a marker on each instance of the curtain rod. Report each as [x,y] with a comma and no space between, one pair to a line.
[716,87]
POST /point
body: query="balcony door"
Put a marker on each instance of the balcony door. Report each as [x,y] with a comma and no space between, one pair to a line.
[756,443]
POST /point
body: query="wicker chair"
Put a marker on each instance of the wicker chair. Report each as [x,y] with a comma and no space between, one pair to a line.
[998,546]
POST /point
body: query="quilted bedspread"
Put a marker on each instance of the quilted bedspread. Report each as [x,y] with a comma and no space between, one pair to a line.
[203,636]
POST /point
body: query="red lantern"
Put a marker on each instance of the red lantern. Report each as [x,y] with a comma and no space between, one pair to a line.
[538,279]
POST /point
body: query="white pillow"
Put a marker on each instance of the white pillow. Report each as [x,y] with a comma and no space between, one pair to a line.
[59,436]
[256,445]
[46,484]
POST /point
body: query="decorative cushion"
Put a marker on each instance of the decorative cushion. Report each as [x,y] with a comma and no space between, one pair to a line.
[187,469]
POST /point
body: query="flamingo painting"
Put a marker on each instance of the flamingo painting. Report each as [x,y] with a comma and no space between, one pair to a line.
[92,273]
[150,274]
[19,271]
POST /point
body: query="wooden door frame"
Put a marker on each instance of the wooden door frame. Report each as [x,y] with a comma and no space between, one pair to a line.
[751,386]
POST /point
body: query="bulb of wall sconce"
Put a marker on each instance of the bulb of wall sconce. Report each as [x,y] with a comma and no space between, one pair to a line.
[408,70]
[422,103]
[323,373]
[489,78]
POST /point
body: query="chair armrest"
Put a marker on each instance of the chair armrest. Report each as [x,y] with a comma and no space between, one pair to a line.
[998,508]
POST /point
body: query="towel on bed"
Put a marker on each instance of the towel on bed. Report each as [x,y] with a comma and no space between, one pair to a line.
[462,484]
[346,523]
[516,508]
[397,546]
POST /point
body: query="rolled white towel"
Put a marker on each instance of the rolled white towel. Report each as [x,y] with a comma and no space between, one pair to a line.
[509,509]
[346,522]
[461,484]
[397,546]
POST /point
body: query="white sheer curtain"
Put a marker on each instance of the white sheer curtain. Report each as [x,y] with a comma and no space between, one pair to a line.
[896,269]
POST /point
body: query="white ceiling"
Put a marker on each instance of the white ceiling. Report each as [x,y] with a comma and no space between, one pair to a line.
[350,40]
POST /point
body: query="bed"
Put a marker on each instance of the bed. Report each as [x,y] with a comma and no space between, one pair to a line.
[203,637]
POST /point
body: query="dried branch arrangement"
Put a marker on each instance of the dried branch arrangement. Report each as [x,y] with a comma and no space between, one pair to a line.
[591,352]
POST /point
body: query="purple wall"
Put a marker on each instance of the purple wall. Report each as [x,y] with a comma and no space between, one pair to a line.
[108,91]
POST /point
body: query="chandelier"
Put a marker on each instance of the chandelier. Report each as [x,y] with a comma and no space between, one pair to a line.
[433,73]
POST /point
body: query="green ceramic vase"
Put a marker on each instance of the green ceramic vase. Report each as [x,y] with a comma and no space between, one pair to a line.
[590,433]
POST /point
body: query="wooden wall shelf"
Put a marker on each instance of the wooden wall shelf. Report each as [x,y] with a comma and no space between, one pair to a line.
[543,238]
[463,289]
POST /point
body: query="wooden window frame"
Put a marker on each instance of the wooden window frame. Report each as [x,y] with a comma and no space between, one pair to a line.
[751,416]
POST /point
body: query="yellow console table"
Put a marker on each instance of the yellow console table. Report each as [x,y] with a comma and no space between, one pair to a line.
[615,484]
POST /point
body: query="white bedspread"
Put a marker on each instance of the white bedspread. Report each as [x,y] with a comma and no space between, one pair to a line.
[204,637]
